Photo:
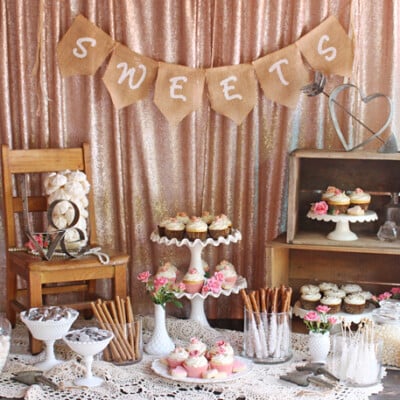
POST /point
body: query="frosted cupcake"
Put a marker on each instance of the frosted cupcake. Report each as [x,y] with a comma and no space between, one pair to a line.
[324,286]
[182,217]
[174,229]
[161,226]
[224,264]
[177,357]
[167,270]
[193,281]
[222,361]
[350,288]
[219,227]
[360,198]
[207,217]
[334,303]
[196,228]
[335,293]
[196,344]
[329,192]
[221,346]
[230,277]
[309,289]
[310,301]
[354,303]
[196,364]
[338,203]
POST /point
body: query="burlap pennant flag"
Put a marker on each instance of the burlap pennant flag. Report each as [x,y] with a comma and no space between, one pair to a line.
[83,48]
[178,91]
[232,90]
[328,49]
[128,76]
[281,75]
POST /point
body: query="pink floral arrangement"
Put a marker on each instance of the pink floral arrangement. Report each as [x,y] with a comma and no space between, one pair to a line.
[213,284]
[41,240]
[393,293]
[320,207]
[161,290]
[318,321]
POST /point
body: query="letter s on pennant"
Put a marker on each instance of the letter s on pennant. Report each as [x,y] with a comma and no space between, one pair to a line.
[80,51]
[331,50]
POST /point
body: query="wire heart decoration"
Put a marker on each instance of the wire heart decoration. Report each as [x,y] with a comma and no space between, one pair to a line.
[365,99]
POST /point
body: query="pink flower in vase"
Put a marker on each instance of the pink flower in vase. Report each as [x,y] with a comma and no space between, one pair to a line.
[144,276]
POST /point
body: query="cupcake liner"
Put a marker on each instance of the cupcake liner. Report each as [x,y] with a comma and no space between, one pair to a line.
[354,308]
[174,234]
[196,235]
[216,233]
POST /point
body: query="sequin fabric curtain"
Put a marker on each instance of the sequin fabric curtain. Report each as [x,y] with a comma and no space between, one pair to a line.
[144,169]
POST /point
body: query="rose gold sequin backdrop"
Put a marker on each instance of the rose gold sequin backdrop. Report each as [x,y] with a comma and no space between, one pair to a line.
[145,169]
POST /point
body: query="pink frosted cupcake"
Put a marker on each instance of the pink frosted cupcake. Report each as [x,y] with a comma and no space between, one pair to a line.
[167,270]
[222,361]
[178,372]
[230,276]
[196,344]
[177,357]
[193,281]
[196,364]
[221,346]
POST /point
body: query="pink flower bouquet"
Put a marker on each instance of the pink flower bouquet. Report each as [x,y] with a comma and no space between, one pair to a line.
[318,321]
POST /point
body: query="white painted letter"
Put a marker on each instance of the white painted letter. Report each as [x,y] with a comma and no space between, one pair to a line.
[277,66]
[131,74]
[322,51]
[226,88]
[174,86]
[81,51]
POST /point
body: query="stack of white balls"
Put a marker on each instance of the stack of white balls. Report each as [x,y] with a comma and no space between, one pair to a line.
[72,186]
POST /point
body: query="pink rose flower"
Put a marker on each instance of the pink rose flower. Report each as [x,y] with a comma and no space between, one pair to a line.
[312,316]
[144,276]
[384,296]
[332,320]
[320,208]
[160,282]
[395,290]
[323,309]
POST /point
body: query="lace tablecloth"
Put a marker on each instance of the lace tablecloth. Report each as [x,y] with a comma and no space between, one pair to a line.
[138,381]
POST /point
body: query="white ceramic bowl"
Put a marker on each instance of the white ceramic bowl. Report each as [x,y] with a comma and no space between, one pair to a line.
[50,329]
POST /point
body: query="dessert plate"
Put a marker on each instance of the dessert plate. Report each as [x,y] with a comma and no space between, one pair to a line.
[161,369]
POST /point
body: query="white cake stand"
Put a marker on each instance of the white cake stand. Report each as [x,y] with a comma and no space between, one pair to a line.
[342,230]
[196,247]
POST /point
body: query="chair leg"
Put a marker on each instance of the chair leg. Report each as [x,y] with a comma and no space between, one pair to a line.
[35,300]
[11,295]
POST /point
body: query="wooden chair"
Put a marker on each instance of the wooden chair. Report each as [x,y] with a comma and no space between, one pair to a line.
[29,277]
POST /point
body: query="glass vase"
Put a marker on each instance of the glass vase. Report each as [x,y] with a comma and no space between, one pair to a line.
[160,343]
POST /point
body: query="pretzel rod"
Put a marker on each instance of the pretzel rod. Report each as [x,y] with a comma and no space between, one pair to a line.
[136,327]
[131,328]
[275,300]
[119,308]
[267,303]
[113,349]
[247,303]
[255,306]
[123,312]
[263,300]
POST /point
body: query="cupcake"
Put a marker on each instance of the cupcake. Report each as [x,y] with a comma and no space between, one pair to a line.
[222,361]
[230,277]
[334,303]
[309,289]
[219,227]
[338,203]
[196,364]
[207,217]
[210,374]
[177,357]
[161,226]
[193,281]
[224,264]
[350,288]
[335,293]
[221,346]
[310,301]
[324,286]
[167,270]
[367,295]
[354,303]
[196,228]
[196,344]
[355,210]
[182,217]
[359,198]
[174,229]
[329,192]
[178,372]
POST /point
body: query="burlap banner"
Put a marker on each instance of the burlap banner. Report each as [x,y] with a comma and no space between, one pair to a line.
[178,91]
[328,49]
[128,76]
[281,75]
[232,90]
[83,48]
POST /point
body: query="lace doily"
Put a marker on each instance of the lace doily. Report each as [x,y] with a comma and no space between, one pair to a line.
[138,381]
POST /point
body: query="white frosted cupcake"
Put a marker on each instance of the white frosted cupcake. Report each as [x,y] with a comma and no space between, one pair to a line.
[309,289]
[222,361]
[193,281]
[207,217]
[196,344]
[324,286]
[174,229]
[339,203]
[167,270]
[196,228]
[196,364]
[350,288]
[329,192]
[354,303]
[334,303]
[182,217]
[219,227]
[360,198]
[177,357]
[310,301]
[221,346]
[367,295]
[335,293]
[230,277]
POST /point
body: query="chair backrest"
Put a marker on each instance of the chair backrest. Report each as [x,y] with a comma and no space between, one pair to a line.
[37,161]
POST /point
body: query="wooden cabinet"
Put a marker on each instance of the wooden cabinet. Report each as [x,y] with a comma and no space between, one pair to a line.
[304,254]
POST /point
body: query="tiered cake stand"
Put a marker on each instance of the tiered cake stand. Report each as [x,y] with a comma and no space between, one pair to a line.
[342,230]
[196,247]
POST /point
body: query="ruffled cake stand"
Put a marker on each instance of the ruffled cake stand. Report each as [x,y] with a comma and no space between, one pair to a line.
[196,247]
[342,230]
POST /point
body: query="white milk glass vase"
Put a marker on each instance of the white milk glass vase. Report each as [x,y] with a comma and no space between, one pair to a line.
[319,345]
[160,342]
